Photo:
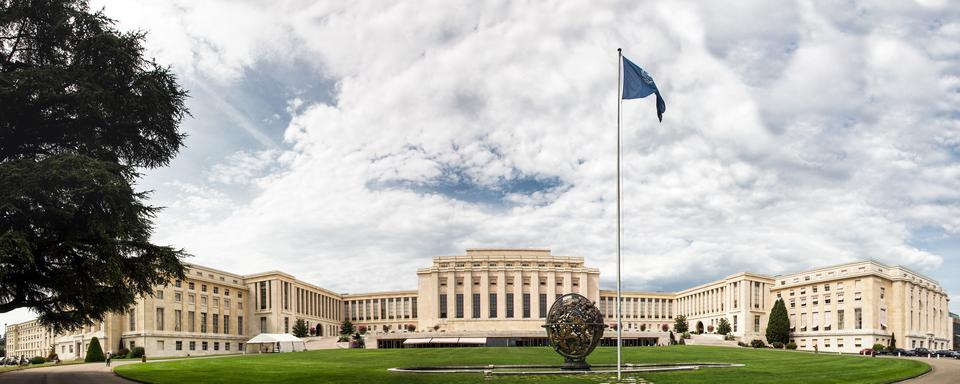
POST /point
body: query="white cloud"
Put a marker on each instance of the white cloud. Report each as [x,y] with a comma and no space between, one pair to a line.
[814,136]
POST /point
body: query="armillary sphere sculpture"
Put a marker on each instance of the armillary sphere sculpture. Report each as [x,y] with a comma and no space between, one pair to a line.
[574,327]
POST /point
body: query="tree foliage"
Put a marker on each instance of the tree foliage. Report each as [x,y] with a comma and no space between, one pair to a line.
[680,324]
[347,328]
[893,342]
[723,327]
[94,352]
[778,325]
[81,110]
[300,328]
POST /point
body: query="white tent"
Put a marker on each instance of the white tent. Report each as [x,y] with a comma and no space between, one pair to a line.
[277,342]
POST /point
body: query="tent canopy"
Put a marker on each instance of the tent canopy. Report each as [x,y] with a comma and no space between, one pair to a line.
[267,338]
[278,342]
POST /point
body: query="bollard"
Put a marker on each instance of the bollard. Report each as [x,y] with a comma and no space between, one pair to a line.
[898,354]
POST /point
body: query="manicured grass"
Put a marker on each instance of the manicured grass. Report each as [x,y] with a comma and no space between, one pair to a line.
[370,366]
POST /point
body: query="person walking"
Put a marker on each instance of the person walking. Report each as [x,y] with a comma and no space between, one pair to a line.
[109,356]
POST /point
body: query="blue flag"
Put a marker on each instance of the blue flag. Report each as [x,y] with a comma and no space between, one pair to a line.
[637,84]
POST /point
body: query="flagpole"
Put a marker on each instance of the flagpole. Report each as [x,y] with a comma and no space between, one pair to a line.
[619,155]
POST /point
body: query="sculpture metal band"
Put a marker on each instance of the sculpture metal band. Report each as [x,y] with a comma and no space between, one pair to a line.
[574,327]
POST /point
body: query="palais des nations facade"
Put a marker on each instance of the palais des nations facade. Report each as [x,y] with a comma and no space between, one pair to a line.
[500,297]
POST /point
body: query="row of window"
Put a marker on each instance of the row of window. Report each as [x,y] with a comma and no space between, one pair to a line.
[511,264]
[382,309]
[638,308]
[160,321]
[494,306]
[492,280]
[813,322]
[192,345]
[192,299]
[203,288]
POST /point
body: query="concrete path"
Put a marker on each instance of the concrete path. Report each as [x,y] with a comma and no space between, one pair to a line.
[92,373]
[945,371]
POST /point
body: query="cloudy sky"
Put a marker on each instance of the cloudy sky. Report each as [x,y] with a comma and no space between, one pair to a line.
[349,142]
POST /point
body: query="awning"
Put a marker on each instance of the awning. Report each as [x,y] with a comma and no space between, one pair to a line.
[416,341]
[444,340]
[473,340]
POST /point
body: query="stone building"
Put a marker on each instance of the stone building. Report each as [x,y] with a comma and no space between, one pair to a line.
[852,306]
[501,297]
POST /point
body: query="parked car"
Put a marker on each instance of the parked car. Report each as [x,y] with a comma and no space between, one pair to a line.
[902,352]
[922,352]
[866,351]
[946,353]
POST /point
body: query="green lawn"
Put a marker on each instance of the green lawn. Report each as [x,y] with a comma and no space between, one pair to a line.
[369,366]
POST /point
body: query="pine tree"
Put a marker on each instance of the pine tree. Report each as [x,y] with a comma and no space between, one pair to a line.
[82,113]
[893,342]
[347,328]
[300,328]
[94,352]
[680,324]
[778,326]
[724,327]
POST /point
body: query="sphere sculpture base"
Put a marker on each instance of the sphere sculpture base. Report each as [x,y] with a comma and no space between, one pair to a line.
[575,365]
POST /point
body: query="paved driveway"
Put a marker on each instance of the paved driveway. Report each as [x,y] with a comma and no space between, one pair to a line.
[945,371]
[67,374]
[92,373]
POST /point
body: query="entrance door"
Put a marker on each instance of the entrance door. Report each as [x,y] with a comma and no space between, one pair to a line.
[78,350]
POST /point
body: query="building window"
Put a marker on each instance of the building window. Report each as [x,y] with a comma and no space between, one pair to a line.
[239,325]
[226,324]
[526,305]
[443,306]
[543,305]
[132,319]
[159,319]
[883,292]
[226,346]
[509,305]
[177,296]
[493,305]
[190,286]
[263,295]
[476,305]
[203,322]
[159,295]
[459,305]
[756,323]
[735,322]
[756,294]
[286,325]
[857,318]
[839,319]
[216,345]
[176,283]
[204,345]
[216,323]
[193,345]
[263,324]
[179,345]
[191,326]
